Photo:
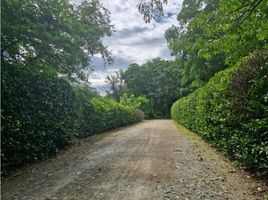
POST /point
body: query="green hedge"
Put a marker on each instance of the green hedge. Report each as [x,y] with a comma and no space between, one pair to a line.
[101,114]
[37,112]
[41,113]
[231,111]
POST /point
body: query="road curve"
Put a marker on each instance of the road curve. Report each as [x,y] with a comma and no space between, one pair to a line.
[149,160]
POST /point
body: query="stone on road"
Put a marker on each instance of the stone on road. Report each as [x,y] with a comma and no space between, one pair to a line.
[149,160]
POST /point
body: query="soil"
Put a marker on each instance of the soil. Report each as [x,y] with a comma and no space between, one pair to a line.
[150,160]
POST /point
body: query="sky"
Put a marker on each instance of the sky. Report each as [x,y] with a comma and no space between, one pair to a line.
[134,41]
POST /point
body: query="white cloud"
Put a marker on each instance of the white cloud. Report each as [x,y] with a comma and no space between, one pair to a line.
[134,38]
[134,41]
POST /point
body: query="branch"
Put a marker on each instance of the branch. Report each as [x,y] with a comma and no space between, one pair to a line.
[252,9]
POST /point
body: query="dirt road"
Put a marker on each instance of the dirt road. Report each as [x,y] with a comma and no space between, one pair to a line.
[149,160]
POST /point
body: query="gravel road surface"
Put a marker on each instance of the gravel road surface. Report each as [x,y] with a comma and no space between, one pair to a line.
[149,160]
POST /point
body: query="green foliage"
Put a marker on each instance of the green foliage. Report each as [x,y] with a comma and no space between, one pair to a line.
[187,42]
[101,114]
[54,33]
[140,102]
[211,28]
[239,22]
[84,94]
[138,115]
[158,81]
[144,105]
[116,84]
[231,111]
[151,9]
[37,114]
[213,35]
[41,113]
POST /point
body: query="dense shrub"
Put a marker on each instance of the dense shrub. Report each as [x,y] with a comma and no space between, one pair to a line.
[140,103]
[101,114]
[37,112]
[138,115]
[231,111]
[41,113]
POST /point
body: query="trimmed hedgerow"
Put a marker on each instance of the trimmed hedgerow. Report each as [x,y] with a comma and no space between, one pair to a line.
[41,113]
[37,112]
[101,114]
[231,111]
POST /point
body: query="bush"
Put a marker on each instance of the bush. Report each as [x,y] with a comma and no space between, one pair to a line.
[138,115]
[41,113]
[103,114]
[37,114]
[231,111]
[141,103]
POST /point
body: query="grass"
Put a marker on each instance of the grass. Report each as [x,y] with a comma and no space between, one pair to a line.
[187,132]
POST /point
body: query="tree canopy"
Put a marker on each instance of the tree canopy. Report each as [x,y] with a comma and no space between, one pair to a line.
[158,80]
[55,33]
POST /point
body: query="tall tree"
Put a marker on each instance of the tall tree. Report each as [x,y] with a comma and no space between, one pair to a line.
[158,80]
[236,28]
[151,9]
[212,35]
[55,33]
[116,84]
[185,43]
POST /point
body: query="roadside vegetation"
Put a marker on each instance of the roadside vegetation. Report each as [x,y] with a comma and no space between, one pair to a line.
[46,100]
[230,111]
[219,76]
[216,86]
